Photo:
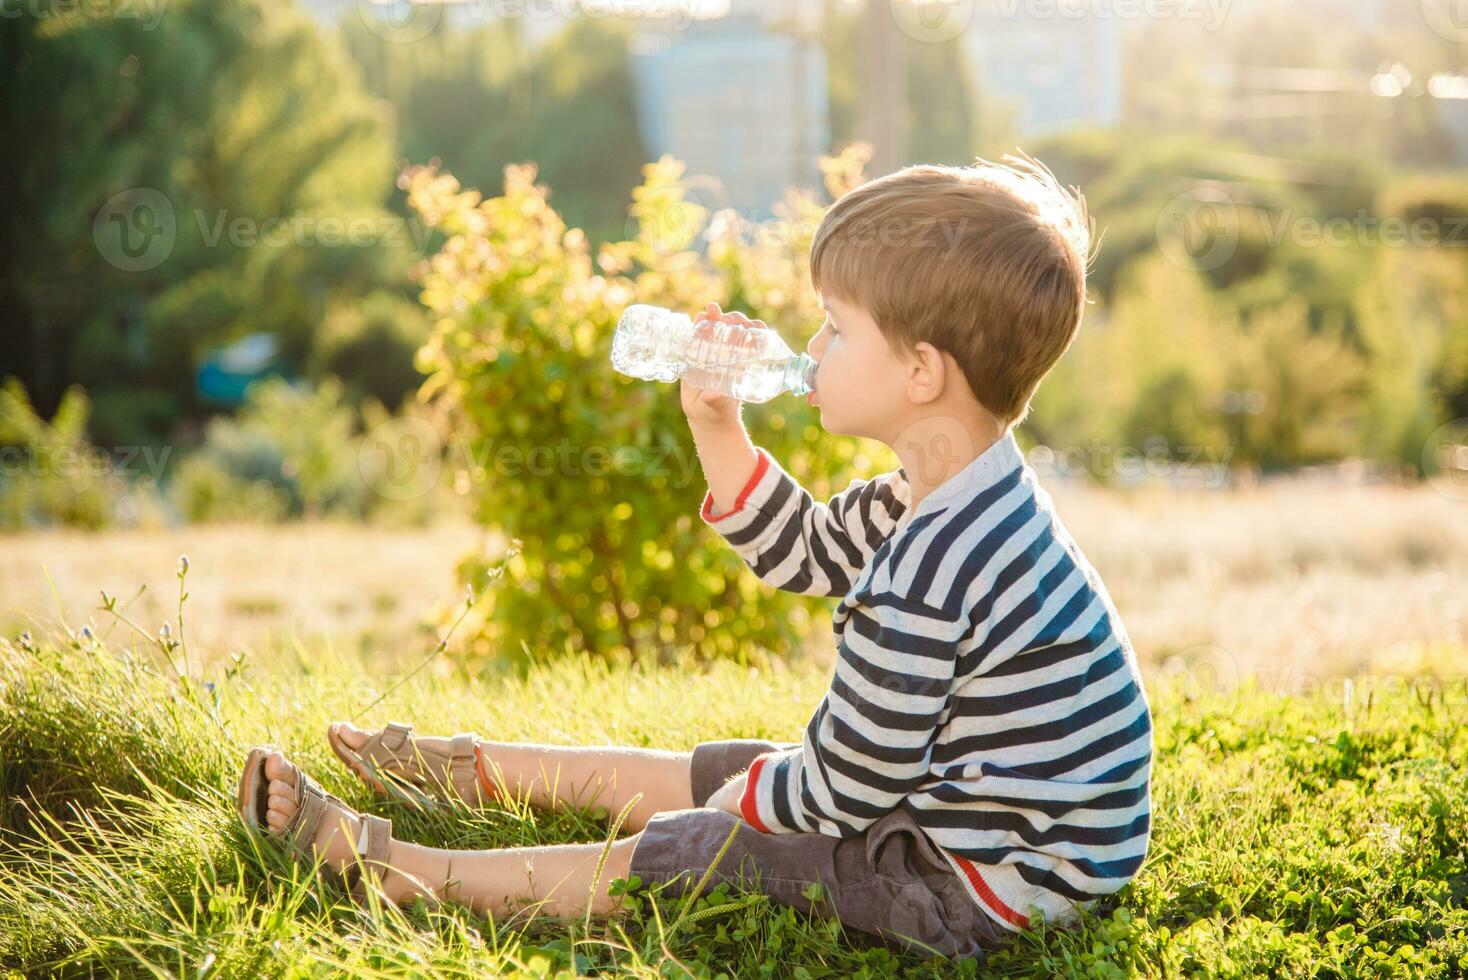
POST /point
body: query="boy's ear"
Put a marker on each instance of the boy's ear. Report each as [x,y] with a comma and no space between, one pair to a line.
[927,373]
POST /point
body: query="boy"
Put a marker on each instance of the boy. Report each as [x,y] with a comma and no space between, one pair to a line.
[983,756]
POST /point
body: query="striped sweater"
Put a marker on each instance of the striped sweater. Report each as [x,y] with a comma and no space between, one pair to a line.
[983,681]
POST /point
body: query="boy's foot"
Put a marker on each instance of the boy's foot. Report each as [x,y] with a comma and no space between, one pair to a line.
[337,833]
[395,762]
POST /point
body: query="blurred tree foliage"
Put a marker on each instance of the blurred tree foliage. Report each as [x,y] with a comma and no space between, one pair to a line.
[477,99]
[1328,317]
[302,450]
[943,108]
[270,146]
[52,475]
[248,155]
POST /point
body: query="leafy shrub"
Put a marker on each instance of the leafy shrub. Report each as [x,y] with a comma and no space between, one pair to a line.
[210,485]
[593,472]
[289,453]
[50,474]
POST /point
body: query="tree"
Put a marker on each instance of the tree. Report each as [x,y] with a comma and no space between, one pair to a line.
[477,100]
[174,183]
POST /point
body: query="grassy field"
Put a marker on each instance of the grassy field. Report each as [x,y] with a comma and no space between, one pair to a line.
[1322,835]
[1302,647]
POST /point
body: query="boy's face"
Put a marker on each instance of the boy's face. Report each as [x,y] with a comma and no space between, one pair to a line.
[861,385]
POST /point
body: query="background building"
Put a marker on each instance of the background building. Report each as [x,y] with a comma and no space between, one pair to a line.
[1052,73]
[745,107]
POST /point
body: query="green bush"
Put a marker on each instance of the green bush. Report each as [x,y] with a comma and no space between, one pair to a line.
[291,452]
[51,475]
[1413,321]
[207,488]
[594,472]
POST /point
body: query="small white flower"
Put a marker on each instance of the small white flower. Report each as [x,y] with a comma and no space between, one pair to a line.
[165,633]
[183,564]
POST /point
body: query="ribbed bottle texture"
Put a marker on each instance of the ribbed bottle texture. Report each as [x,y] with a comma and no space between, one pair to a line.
[752,364]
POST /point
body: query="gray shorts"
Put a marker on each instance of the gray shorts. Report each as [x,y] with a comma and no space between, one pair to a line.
[888,883]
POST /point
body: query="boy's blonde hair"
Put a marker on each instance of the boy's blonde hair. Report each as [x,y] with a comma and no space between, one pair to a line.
[987,262]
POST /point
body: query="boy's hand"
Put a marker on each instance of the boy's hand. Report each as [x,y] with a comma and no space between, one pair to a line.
[705,407]
[726,797]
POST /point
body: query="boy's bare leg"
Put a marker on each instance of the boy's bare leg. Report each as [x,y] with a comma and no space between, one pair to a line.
[552,776]
[556,879]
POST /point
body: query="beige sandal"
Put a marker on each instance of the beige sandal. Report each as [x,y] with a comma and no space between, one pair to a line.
[313,804]
[413,773]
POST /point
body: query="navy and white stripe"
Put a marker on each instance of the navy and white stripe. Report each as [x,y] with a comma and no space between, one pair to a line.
[983,680]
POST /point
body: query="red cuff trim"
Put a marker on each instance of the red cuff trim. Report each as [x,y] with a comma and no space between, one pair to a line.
[748,808]
[987,894]
[707,511]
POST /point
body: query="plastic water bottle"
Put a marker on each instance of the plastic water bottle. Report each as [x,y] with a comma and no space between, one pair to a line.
[752,364]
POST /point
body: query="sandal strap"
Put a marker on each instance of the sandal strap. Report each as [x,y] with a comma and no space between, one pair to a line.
[454,769]
[373,858]
[463,766]
[389,744]
[311,807]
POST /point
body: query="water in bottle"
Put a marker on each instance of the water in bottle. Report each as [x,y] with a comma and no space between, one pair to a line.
[752,364]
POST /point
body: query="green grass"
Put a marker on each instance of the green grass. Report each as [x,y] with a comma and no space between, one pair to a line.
[1292,836]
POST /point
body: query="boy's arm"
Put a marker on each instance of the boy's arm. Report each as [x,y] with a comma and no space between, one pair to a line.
[789,540]
[870,742]
[785,536]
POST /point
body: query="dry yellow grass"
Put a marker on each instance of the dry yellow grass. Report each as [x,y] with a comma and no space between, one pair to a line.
[249,585]
[1293,583]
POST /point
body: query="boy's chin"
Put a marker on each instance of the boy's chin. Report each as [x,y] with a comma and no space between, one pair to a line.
[837,426]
